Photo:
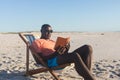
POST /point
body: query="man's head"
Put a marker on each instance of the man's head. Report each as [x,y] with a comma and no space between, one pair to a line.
[46,31]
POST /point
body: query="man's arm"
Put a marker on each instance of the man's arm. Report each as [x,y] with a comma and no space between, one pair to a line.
[50,56]
[63,49]
[59,51]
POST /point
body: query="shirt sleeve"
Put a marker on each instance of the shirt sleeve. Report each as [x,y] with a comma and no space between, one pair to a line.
[36,46]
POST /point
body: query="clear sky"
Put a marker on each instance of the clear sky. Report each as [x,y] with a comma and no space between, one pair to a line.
[63,15]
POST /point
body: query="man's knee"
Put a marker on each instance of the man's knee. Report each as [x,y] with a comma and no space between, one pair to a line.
[88,48]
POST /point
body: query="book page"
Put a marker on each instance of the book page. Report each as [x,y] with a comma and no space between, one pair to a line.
[61,41]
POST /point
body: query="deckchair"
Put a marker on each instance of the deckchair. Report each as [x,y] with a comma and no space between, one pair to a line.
[28,38]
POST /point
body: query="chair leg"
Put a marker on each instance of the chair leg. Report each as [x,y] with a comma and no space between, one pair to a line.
[35,71]
[55,76]
[31,72]
[27,59]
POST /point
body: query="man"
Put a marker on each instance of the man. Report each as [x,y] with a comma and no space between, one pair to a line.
[81,57]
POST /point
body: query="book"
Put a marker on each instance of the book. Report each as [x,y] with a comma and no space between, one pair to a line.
[61,41]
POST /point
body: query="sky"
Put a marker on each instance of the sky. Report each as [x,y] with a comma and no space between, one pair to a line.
[62,15]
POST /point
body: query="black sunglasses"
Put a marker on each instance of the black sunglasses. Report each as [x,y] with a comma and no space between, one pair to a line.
[49,31]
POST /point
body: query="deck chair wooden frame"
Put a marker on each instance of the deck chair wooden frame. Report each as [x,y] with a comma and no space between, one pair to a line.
[24,37]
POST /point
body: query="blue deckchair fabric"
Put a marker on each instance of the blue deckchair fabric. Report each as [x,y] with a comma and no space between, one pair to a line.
[30,38]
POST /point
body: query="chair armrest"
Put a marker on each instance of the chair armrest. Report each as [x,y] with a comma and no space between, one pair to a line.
[24,38]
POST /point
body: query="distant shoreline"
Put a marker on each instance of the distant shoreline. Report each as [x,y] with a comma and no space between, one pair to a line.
[56,32]
[38,32]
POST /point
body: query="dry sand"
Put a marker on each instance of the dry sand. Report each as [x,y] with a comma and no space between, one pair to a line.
[106,52]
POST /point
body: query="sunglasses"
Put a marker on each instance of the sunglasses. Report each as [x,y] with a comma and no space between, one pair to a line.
[49,31]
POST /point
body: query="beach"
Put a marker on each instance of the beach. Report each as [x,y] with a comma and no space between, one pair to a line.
[106,53]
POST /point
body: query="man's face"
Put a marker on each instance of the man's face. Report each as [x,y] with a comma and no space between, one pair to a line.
[46,32]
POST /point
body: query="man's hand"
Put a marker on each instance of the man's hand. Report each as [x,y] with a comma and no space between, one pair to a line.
[67,47]
[63,49]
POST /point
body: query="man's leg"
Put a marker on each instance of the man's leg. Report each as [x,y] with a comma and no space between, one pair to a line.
[80,67]
[85,53]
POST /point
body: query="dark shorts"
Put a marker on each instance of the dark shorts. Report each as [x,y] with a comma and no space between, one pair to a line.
[52,62]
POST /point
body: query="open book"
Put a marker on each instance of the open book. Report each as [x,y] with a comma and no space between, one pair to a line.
[61,41]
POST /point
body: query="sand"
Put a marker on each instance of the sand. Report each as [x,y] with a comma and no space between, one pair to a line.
[106,52]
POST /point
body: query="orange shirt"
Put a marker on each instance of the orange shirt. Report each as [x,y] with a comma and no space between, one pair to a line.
[46,47]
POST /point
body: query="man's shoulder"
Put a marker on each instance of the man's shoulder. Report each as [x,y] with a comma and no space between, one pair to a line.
[52,40]
[42,40]
[39,40]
